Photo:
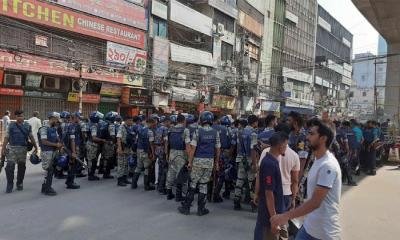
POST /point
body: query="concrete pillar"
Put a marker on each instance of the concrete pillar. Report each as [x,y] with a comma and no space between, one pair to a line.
[392,90]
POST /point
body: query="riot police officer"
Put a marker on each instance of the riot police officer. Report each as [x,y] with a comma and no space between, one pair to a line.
[160,137]
[192,124]
[63,128]
[202,159]
[50,145]
[145,154]
[108,149]
[72,144]
[17,138]
[125,140]
[93,144]
[177,146]
[246,159]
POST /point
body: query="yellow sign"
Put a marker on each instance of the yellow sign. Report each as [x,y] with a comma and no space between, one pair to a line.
[73,97]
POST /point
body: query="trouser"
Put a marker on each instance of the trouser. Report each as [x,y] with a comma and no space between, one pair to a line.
[15,155]
[91,154]
[244,173]
[201,173]
[303,235]
[108,154]
[355,158]
[177,160]
[143,162]
[122,167]
[48,166]
[223,165]
[370,157]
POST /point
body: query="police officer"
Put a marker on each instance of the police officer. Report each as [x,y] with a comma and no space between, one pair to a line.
[84,129]
[160,137]
[118,123]
[145,154]
[177,145]
[62,130]
[225,134]
[370,135]
[108,150]
[17,138]
[50,145]
[125,140]
[93,144]
[246,159]
[348,143]
[202,159]
[72,145]
[192,124]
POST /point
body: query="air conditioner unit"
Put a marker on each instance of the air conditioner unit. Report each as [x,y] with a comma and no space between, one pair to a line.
[51,82]
[220,29]
[234,92]
[181,82]
[12,79]
[216,89]
[203,71]
[197,38]
[75,86]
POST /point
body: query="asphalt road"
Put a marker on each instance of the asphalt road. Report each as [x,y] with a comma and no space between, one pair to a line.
[101,210]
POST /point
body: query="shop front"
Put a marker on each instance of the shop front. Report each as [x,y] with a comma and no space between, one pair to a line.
[185,100]
[90,102]
[110,97]
[135,101]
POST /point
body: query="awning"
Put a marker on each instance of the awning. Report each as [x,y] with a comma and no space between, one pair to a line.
[303,111]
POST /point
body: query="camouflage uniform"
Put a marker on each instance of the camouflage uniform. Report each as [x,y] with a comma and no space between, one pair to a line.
[122,169]
[108,150]
[46,156]
[202,167]
[177,160]
[92,147]
[143,161]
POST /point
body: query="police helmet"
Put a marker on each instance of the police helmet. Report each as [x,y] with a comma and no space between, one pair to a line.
[110,116]
[77,114]
[35,159]
[62,161]
[65,114]
[118,118]
[163,118]
[206,117]
[173,119]
[190,119]
[155,117]
[226,121]
[53,114]
[141,117]
[243,122]
[96,116]
[132,161]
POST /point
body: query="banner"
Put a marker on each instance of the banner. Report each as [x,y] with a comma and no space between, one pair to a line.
[225,102]
[86,98]
[11,92]
[116,10]
[110,90]
[123,55]
[68,20]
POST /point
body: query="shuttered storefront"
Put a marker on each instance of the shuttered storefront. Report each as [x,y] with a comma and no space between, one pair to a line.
[10,103]
[43,106]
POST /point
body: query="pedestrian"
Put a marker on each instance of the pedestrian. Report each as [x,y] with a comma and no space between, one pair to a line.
[50,144]
[125,140]
[324,184]
[20,140]
[203,158]
[359,139]
[370,135]
[246,159]
[270,195]
[73,145]
[6,120]
[35,123]
[178,139]
[93,144]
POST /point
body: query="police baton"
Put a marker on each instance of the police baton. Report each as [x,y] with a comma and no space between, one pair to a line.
[69,153]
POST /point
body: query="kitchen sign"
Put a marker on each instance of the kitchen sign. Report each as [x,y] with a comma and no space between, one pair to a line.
[123,55]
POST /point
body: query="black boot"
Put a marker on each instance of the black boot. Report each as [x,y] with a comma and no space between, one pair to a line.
[20,176]
[201,205]
[147,186]
[170,195]
[135,179]
[130,174]
[70,182]
[179,197]
[92,170]
[10,177]
[47,189]
[185,208]
[126,181]
[121,182]
[217,197]
[236,204]
[107,174]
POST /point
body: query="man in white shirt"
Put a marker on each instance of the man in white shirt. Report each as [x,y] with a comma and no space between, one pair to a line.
[35,123]
[6,120]
[321,210]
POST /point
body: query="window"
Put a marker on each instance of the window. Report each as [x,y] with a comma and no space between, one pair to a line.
[159,28]
[226,52]
[364,94]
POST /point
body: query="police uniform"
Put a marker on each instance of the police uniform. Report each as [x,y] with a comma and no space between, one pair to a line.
[370,136]
[192,128]
[178,137]
[145,138]
[127,136]
[16,152]
[92,149]
[297,142]
[48,154]
[205,140]
[74,135]
[160,137]
[108,150]
[247,140]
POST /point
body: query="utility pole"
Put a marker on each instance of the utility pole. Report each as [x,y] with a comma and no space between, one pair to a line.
[81,85]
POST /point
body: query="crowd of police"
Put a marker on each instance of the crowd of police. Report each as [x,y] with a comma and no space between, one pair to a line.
[193,155]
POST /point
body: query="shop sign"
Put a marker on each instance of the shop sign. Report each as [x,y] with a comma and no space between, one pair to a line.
[33,94]
[123,55]
[33,80]
[185,95]
[224,102]
[53,95]
[270,106]
[31,63]
[68,20]
[109,100]
[139,97]
[41,41]
[110,90]
[116,10]
[159,9]
[86,98]
[11,92]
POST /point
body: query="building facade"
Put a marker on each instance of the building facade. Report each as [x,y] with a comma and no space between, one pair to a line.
[333,71]
[381,65]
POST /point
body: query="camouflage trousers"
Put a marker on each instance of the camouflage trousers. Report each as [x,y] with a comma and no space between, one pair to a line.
[177,160]
[16,154]
[47,159]
[143,162]
[108,152]
[91,153]
[244,174]
[122,169]
[201,173]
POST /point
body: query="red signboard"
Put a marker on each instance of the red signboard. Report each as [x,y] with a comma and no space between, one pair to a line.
[31,63]
[115,10]
[11,92]
[1,76]
[91,98]
[65,19]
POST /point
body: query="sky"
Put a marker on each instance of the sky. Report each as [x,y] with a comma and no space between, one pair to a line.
[365,36]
